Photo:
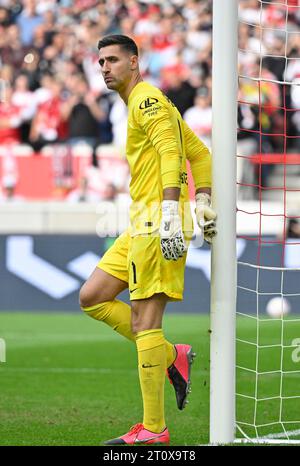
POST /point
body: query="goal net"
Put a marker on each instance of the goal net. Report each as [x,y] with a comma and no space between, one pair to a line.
[268,217]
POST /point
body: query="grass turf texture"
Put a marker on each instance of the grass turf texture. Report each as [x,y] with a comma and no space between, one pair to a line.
[70,380]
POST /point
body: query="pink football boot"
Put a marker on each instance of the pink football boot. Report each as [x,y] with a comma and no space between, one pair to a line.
[179,373]
[138,435]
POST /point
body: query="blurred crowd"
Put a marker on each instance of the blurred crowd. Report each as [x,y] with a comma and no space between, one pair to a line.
[269,91]
[52,92]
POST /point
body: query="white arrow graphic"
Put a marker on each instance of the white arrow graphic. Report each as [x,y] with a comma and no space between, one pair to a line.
[21,261]
[84,264]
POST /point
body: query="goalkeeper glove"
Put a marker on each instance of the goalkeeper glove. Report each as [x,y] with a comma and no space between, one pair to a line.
[206,216]
[172,240]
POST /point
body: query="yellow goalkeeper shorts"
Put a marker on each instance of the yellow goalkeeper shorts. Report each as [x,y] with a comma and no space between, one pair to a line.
[139,262]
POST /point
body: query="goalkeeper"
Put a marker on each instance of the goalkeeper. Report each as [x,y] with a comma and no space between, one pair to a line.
[149,258]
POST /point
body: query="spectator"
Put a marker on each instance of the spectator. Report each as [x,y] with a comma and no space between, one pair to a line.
[27,21]
[10,119]
[48,126]
[82,113]
[179,90]
[292,76]
[12,51]
[23,98]
[275,60]
[247,144]
[83,193]
[149,23]
[39,42]
[199,117]
[263,102]
[5,19]
[98,183]
[31,66]
[10,175]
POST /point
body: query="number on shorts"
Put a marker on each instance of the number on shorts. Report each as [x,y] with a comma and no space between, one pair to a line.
[134,272]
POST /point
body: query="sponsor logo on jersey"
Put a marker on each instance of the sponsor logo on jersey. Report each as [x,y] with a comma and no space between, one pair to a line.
[148,103]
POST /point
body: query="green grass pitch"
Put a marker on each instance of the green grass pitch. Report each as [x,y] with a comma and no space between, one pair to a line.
[70,380]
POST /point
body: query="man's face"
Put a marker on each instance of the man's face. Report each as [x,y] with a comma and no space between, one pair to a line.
[117,66]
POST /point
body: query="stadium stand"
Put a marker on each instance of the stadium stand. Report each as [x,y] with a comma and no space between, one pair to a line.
[53,97]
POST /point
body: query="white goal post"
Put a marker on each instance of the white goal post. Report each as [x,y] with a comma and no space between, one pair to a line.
[242,365]
[223,279]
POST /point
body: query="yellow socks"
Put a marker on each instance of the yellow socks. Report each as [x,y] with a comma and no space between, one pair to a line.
[116,314]
[155,354]
[152,363]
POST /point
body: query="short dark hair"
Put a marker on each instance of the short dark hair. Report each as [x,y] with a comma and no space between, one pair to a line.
[124,42]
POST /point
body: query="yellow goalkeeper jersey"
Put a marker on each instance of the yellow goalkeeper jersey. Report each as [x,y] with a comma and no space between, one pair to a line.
[159,142]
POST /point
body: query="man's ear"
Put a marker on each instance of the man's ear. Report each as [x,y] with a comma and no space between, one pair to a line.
[134,62]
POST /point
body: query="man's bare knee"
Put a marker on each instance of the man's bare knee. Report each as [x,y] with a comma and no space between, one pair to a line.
[87,297]
[90,295]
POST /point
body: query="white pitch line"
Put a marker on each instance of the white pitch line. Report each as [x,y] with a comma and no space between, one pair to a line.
[288,433]
[57,336]
[62,370]
[17,341]
[81,370]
